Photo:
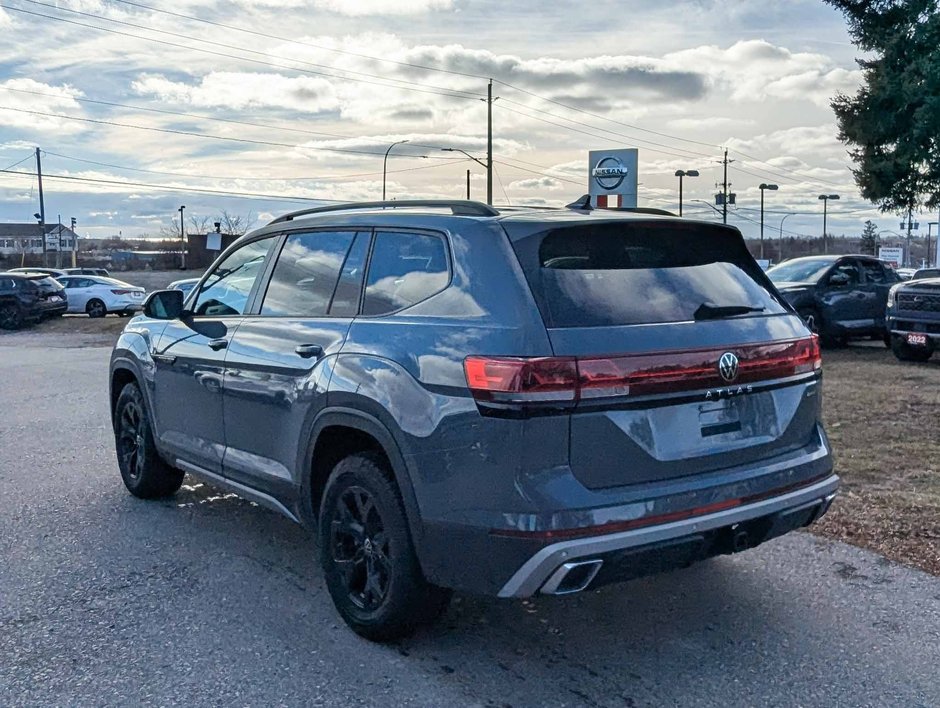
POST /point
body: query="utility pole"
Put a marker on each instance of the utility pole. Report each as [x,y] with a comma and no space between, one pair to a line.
[58,248]
[42,209]
[74,243]
[724,187]
[182,240]
[773,188]
[489,143]
[468,185]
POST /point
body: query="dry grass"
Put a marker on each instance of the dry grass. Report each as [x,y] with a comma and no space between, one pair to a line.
[883,418]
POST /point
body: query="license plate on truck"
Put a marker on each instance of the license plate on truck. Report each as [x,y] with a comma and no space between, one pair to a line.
[916,340]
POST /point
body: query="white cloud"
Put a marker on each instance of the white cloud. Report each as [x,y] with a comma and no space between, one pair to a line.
[23,95]
[360,8]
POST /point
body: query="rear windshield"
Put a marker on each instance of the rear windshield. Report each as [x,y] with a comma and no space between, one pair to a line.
[623,273]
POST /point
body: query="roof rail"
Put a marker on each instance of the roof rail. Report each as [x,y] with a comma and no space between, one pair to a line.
[459,207]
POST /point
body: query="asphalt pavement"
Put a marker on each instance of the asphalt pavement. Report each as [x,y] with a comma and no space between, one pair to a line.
[205,599]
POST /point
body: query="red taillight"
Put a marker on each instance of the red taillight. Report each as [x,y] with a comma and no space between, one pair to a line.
[566,379]
[122,292]
[545,379]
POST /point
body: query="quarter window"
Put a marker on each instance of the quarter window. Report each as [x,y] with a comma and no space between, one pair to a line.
[306,274]
[227,289]
[874,272]
[405,269]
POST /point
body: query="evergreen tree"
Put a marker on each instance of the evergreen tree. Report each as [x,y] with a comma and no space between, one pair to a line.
[869,242]
[893,123]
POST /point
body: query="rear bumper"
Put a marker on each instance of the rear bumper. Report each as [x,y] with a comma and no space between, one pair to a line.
[904,323]
[620,556]
[52,308]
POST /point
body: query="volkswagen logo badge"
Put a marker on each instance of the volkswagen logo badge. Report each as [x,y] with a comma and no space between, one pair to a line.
[609,173]
[728,366]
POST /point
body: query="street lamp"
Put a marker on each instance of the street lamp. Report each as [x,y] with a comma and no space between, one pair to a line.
[680,174]
[482,163]
[385,164]
[182,240]
[781,235]
[772,188]
[825,200]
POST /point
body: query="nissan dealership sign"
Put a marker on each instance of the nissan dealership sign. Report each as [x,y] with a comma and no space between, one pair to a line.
[613,177]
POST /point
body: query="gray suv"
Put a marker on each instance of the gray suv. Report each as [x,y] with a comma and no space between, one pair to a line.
[499,402]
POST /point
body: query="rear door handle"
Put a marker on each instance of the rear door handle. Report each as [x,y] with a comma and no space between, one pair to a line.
[309,350]
[217,344]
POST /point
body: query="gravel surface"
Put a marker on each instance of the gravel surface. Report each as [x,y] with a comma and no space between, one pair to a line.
[205,599]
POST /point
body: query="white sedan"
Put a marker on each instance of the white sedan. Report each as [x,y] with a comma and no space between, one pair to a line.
[97,296]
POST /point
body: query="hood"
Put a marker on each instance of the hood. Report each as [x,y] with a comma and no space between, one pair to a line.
[927,284]
[789,286]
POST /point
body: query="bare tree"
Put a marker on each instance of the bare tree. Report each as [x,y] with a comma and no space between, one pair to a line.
[195,225]
[236,224]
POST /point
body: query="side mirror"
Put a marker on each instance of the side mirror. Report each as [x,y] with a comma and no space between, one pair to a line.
[838,280]
[164,305]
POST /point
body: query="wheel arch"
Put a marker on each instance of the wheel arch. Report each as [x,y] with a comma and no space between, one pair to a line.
[354,431]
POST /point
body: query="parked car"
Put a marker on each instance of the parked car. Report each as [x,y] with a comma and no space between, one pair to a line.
[913,319]
[905,273]
[923,273]
[53,300]
[501,403]
[97,296]
[185,285]
[19,301]
[87,271]
[839,297]
[54,272]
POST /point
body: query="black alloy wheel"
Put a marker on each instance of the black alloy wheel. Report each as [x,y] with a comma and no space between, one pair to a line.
[10,316]
[130,440]
[96,308]
[360,548]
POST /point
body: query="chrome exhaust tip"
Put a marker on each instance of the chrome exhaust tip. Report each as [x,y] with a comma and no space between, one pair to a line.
[572,577]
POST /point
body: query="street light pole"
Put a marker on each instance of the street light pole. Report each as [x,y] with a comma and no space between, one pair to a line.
[385,164]
[773,188]
[825,200]
[781,236]
[182,240]
[680,174]
[482,163]
[468,185]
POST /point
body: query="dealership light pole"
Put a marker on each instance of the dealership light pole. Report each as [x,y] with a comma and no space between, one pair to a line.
[825,200]
[385,164]
[483,163]
[182,240]
[74,243]
[780,238]
[772,188]
[680,174]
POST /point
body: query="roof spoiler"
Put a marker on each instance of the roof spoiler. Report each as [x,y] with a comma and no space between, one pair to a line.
[584,204]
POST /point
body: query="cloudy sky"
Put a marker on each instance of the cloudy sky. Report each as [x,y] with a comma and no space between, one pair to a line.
[264,105]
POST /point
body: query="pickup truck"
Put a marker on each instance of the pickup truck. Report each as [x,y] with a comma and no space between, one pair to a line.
[913,319]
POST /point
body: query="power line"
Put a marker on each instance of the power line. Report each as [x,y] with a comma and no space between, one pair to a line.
[301,43]
[596,115]
[690,153]
[535,172]
[19,162]
[584,132]
[785,169]
[210,136]
[253,179]
[168,188]
[196,41]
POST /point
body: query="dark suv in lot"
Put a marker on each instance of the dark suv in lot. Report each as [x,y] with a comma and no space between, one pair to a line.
[506,403]
[20,300]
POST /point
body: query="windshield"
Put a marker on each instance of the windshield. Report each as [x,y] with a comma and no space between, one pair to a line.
[800,271]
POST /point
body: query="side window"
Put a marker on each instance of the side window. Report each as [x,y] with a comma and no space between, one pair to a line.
[874,273]
[226,290]
[306,274]
[405,269]
[346,298]
[847,272]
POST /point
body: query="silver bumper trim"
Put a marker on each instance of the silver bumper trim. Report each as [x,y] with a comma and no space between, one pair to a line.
[532,575]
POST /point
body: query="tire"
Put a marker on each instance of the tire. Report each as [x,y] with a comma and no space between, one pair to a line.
[904,352]
[11,316]
[144,472]
[367,555]
[96,308]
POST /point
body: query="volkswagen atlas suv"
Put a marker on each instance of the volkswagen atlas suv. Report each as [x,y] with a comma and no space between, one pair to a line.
[499,402]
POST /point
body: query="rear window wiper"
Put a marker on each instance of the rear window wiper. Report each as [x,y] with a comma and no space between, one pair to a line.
[707,311]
